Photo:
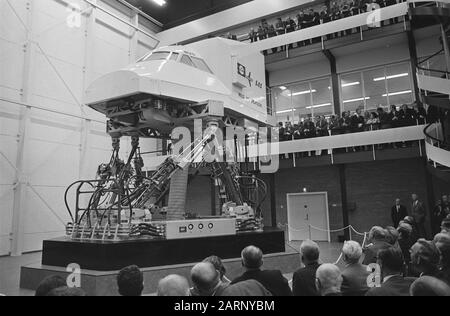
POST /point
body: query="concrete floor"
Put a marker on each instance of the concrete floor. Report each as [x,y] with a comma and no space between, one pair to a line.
[10,266]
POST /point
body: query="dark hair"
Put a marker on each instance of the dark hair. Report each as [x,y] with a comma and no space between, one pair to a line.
[130,281]
[66,291]
[392,259]
[218,264]
[50,283]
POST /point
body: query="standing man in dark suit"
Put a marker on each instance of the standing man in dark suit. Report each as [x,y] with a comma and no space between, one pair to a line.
[398,212]
[393,283]
[419,213]
[355,274]
[304,282]
[273,281]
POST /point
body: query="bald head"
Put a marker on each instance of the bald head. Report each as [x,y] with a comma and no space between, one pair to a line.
[173,286]
[252,257]
[329,279]
[310,252]
[429,286]
[205,278]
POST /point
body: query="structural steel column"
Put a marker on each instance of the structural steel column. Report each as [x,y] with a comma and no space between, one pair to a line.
[413,57]
[20,187]
[344,198]
[334,81]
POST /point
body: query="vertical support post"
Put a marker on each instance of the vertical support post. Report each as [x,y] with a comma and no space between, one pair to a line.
[273,200]
[430,193]
[134,38]
[344,198]
[334,81]
[413,57]
[445,43]
[20,188]
[213,197]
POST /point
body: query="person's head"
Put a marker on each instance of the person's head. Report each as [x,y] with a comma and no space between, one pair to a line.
[398,202]
[173,286]
[359,110]
[414,197]
[205,278]
[49,284]
[444,199]
[310,252]
[425,257]
[377,233]
[442,242]
[390,261]
[428,286]
[445,225]
[404,107]
[218,264]
[405,230]
[328,279]
[409,220]
[392,235]
[66,291]
[352,252]
[252,258]
[130,281]
[393,108]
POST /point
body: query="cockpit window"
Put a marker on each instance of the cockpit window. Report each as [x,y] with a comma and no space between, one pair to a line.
[200,64]
[188,61]
[156,56]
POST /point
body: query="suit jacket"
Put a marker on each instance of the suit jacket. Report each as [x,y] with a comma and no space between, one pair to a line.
[249,288]
[371,252]
[398,216]
[304,282]
[419,212]
[272,280]
[355,280]
[395,286]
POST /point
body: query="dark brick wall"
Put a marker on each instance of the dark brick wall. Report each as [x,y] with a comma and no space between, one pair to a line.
[372,188]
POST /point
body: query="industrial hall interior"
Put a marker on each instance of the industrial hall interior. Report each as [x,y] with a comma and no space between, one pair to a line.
[224,148]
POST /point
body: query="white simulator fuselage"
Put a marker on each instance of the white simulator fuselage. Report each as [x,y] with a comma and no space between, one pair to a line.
[155,91]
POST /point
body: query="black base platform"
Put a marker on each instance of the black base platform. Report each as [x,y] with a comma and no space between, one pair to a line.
[112,256]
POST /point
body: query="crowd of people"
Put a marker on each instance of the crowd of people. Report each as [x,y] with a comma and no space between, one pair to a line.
[305,18]
[395,261]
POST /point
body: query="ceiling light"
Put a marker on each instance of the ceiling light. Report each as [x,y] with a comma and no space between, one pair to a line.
[350,84]
[160,2]
[286,111]
[318,106]
[391,77]
[397,93]
[302,92]
[282,88]
[356,100]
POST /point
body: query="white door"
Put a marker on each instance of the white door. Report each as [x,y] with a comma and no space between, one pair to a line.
[308,216]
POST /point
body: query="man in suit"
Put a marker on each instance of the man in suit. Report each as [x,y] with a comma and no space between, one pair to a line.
[398,212]
[272,280]
[393,283]
[206,280]
[249,288]
[419,213]
[173,286]
[304,282]
[355,274]
[425,259]
[377,238]
[329,280]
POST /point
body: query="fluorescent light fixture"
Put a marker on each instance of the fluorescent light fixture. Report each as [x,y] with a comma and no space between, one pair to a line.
[391,77]
[282,88]
[160,2]
[356,100]
[318,106]
[285,111]
[397,93]
[302,92]
[351,84]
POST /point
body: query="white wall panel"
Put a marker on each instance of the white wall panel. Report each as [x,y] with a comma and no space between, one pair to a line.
[55,154]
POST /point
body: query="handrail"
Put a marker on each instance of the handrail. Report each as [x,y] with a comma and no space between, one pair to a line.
[434,70]
[432,56]
[428,135]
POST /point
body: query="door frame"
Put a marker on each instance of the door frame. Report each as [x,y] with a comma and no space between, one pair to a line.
[327,210]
